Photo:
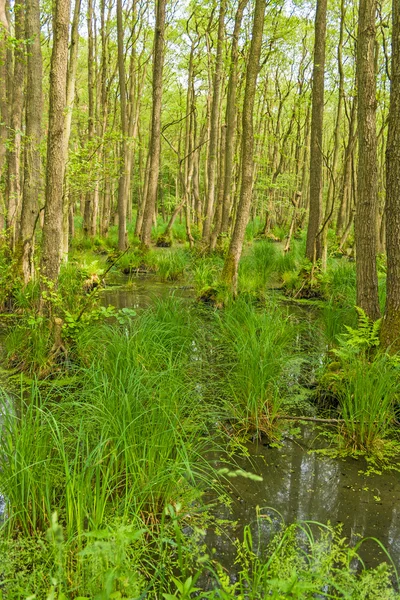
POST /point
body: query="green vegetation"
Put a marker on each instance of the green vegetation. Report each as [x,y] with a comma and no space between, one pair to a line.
[103,452]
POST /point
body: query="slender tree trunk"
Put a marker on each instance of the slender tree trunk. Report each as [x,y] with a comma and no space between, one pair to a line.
[313,247]
[231,117]
[390,332]
[212,164]
[122,208]
[155,139]
[71,80]
[33,134]
[367,196]
[3,102]
[52,229]
[330,203]
[17,100]
[91,193]
[230,270]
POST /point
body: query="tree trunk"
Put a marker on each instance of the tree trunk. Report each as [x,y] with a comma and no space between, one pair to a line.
[17,100]
[33,134]
[212,164]
[231,116]
[122,208]
[71,80]
[52,229]
[367,197]
[230,270]
[313,246]
[3,102]
[390,332]
[155,139]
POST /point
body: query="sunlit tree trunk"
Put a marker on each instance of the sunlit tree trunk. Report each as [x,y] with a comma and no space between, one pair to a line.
[367,193]
[3,102]
[14,138]
[212,164]
[52,228]
[231,117]
[230,270]
[313,247]
[33,134]
[71,81]
[155,138]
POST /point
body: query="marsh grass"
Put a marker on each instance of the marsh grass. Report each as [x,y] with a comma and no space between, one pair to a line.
[367,394]
[256,346]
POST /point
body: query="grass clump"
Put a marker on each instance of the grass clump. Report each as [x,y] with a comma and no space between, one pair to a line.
[256,346]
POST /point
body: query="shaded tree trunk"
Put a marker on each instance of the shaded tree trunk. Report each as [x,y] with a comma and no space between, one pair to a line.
[390,332]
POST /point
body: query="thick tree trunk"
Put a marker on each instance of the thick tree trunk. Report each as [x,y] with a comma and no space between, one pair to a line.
[367,196]
[33,133]
[313,247]
[155,139]
[52,229]
[230,270]
[390,333]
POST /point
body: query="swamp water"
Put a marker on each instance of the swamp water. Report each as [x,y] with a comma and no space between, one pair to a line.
[297,482]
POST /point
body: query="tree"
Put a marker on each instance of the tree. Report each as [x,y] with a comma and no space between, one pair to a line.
[52,229]
[231,264]
[367,194]
[155,138]
[33,135]
[390,333]
[214,128]
[313,247]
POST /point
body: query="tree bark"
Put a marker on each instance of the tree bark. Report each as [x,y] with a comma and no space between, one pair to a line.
[212,163]
[367,197]
[33,134]
[71,81]
[390,332]
[52,229]
[313,246]
[231,116]
[155,138]
[3,102]
[122,208]
[17,101]
[230,270]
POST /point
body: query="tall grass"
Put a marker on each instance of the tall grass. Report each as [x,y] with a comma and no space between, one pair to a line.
[367,395]
[256,346]
[125,441]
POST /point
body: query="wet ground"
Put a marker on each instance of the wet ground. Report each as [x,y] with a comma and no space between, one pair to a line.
[297,483]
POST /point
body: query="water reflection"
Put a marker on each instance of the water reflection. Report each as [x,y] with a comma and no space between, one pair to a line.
[300,485]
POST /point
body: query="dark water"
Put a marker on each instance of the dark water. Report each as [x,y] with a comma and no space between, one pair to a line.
[298,484]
